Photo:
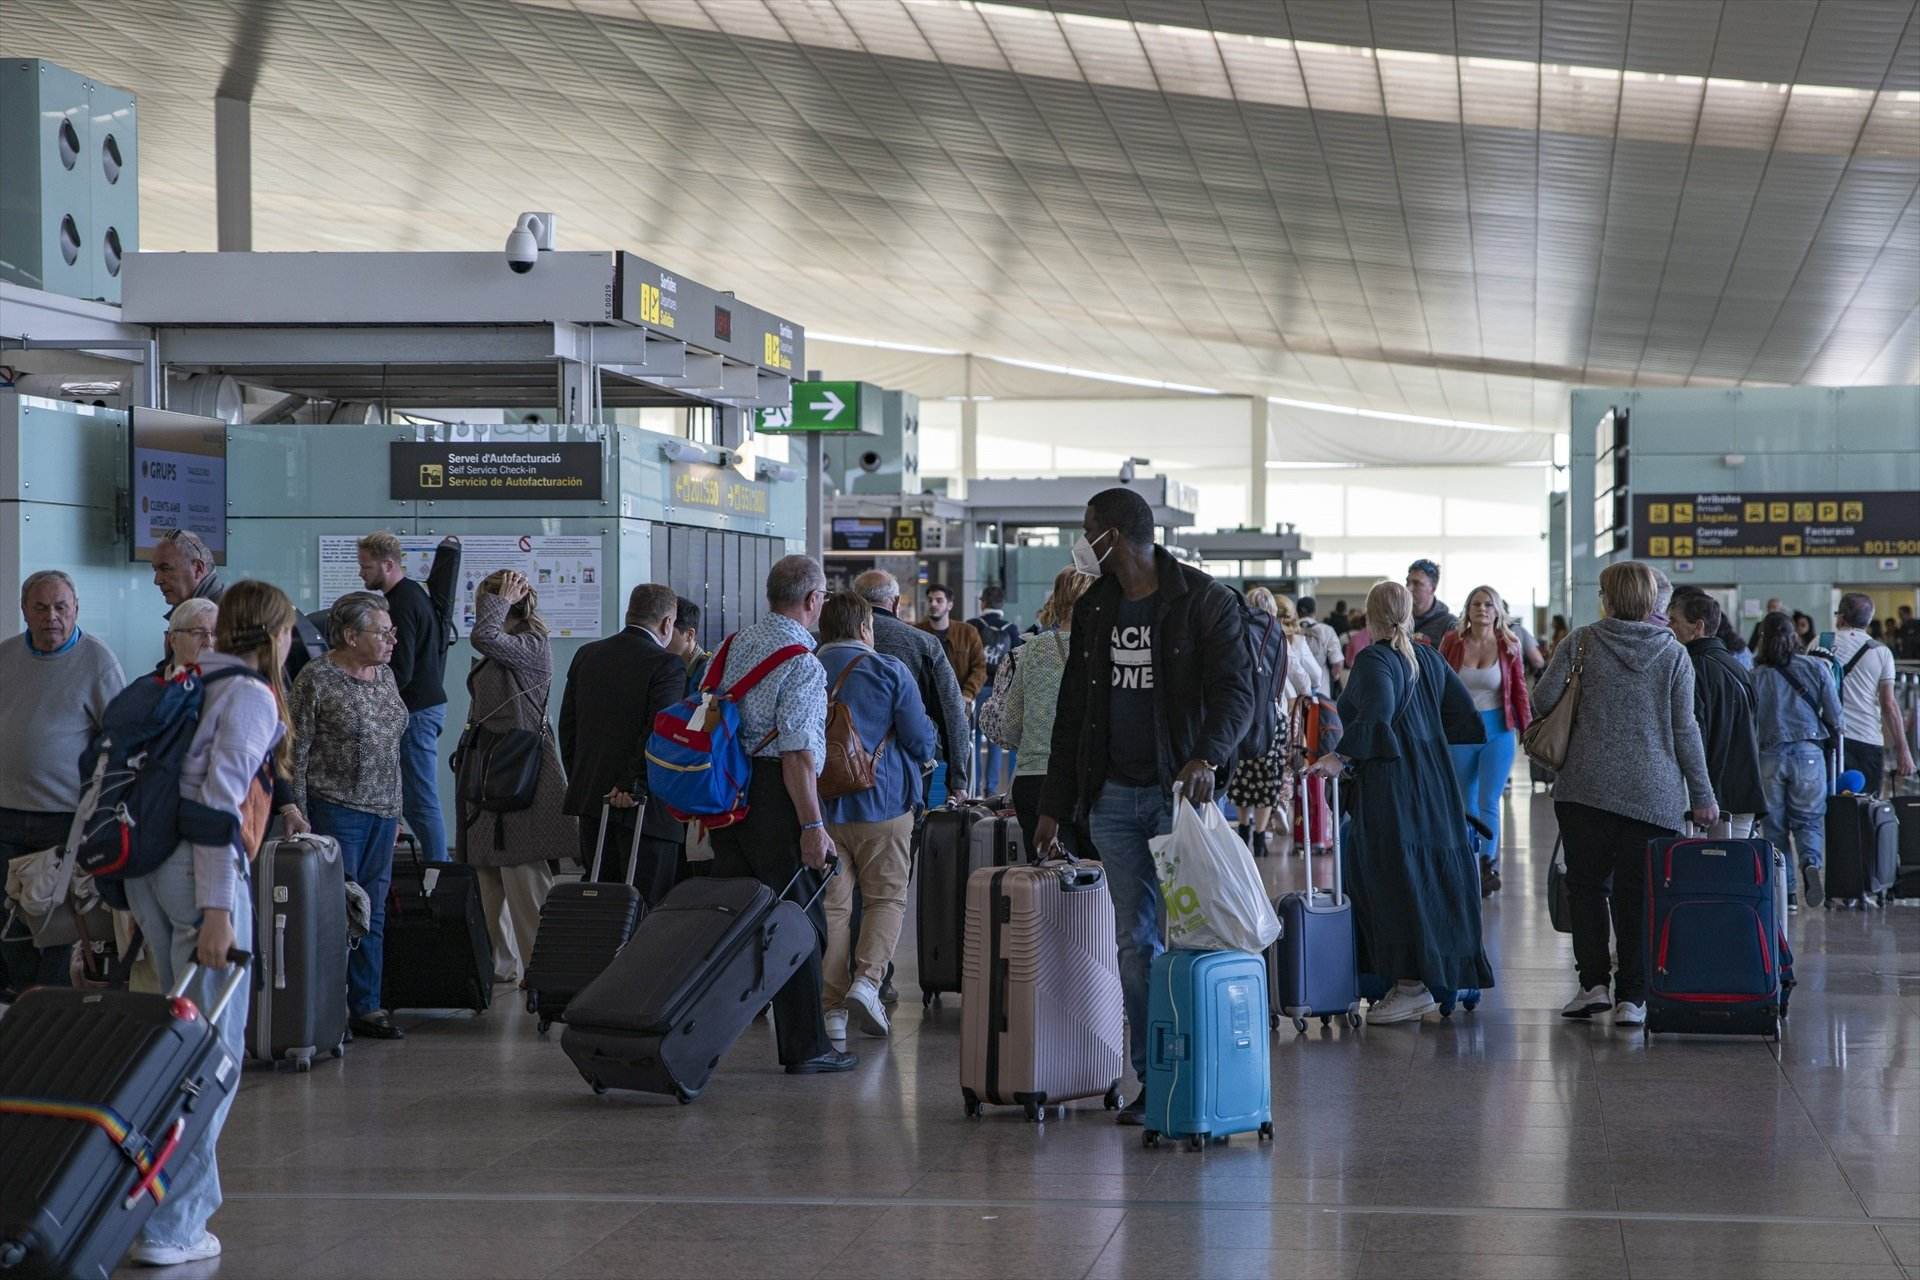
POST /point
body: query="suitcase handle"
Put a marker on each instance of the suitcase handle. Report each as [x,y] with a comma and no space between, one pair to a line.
[633,851]
[833,867]
[237,962]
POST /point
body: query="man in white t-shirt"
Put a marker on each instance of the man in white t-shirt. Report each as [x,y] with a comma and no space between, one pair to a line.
[1323,642]
[1871,723]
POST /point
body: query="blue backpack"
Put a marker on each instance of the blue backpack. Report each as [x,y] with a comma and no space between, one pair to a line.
[696,763]
[133,816]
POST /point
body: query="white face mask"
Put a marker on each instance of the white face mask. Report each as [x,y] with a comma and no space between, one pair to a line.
[1086,561]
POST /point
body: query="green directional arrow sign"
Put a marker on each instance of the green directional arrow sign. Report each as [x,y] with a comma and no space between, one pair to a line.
[851,408]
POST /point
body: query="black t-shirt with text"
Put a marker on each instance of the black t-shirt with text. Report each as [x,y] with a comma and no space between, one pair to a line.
[1133,757]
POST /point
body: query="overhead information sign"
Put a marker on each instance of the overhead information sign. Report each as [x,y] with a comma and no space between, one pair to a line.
[874,533]
[648,294]
[495,470]
[705,487]
[850,408]
[1725,526]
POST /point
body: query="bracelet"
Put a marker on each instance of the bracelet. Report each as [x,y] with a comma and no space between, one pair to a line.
[813,826]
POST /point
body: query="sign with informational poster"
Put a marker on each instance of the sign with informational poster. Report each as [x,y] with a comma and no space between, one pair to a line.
[1723,526]
[493,470]
[566,572]
[179,479]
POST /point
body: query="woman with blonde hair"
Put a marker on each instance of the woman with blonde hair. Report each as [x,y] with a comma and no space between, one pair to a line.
[198,905]
[1030,701]
[1415,897]
[1489,658]
[1264,786]
[507,689]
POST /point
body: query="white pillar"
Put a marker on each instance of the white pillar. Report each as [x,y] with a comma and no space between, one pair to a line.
[969,430]
[1257,462]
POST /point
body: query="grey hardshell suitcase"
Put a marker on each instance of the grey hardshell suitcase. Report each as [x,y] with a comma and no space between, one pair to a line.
[582,928]
[299,1007]
[1313,967]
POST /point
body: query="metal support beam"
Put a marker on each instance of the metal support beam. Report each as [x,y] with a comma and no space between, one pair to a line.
[233,174]
[1257,462]
[816,497]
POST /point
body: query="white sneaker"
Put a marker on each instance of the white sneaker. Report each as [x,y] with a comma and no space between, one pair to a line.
[836,1020]
[1589,1002]
[863,1002]
[1629,1014]
[172,1255]
[1403,1004]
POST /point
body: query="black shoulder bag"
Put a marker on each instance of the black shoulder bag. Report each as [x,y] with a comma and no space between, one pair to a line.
[499,771]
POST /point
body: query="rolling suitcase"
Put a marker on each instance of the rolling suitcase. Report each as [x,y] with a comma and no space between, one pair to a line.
[1207,1072]
[1906,815]
[1863,849]
[1043,1018]
[1313,966]
[438,952]
[695,974]
[582,927]
[949,855]
[1715,945]
[98,1092]
[299,1006]
[998,842]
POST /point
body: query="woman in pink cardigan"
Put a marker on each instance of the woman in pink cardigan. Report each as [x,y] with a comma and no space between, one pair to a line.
[1485,652]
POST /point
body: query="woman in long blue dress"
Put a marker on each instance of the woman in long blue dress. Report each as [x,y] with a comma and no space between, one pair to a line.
[1413,877]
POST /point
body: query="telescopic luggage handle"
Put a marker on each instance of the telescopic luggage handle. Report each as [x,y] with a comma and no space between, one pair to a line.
[633,850]
[237,961]
[833,868]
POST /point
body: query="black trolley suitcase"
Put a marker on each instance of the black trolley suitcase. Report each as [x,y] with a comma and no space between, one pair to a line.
[1863,845]
[695,974]
[1906,814]
[582,928]
[438,952]
[99,1092]
[299,1006]
[949,854]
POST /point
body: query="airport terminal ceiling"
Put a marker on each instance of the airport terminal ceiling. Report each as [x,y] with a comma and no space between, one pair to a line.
[1455,211]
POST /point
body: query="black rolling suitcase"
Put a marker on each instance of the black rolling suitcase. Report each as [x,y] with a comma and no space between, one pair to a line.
[1906,813]
[438,952]
[299,1006]
[1863,849]
[582,927]
[696,972]
[99,1092]
[949,854]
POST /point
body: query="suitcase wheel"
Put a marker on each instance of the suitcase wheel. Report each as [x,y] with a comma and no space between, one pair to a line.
[1196,1141]
[1326,1020]
[682,1097]
[972,1100]
[1112,1100]
[1036,1112]
[302,1065]
[533,1000]
[1266,1130]
[1150,1138]
[1470,1003]
[1353,1019]
[1300,1026]
[1446,1009]
[1273,1022]
[598,1088]
[339,1050]
[546,1025]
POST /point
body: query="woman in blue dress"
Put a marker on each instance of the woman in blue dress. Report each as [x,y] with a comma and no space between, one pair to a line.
[1410,869]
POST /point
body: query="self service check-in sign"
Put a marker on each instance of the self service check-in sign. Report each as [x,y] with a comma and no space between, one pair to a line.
[493,471]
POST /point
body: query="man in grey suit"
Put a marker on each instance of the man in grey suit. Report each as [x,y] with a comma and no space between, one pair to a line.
[927,660]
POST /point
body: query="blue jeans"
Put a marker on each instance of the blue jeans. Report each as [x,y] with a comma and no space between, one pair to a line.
[420,781]
[366,854]
[1121,822]
[165,904]
[1482,770]
[1793,776]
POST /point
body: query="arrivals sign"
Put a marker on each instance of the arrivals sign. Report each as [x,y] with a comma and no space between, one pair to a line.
[488,471]
[851,408]
[1725,526]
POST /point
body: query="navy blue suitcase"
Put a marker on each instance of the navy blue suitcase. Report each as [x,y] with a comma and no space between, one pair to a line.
[1313,966]
[1715,948]
[1207,1068]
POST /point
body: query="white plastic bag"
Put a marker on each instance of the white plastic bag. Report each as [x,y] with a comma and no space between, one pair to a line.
[1215,900]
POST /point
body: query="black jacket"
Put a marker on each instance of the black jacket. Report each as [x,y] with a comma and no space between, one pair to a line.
[1202,691]
[1723,704]
[615,687]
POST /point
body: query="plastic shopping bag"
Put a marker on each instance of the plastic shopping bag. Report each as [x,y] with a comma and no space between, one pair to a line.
[1215,900]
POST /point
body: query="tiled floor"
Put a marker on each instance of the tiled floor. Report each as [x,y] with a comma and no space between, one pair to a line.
[1503,1143]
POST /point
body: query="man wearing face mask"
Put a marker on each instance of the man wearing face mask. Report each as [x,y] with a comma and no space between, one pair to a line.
[1432,620]
[1155,692]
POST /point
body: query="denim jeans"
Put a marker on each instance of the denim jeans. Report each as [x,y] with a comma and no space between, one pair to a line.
[1482,770]
[366,854]
[1121,822]
[1793,776]
[420,781]
[165,904]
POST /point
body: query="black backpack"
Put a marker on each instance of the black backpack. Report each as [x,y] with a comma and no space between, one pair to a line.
[1267,661]
[998,638]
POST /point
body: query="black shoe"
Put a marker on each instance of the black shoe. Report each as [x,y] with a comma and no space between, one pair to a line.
[1810,877]
[831,1061]
[377,1025]
[1258,844]
[1245,832]
[1135,1112]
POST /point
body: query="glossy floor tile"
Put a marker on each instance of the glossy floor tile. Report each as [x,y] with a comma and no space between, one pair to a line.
[1505,1142]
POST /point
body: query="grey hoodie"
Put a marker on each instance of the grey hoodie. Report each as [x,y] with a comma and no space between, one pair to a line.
[1636,746]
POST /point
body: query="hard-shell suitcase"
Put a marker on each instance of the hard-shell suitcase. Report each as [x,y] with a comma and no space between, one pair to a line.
[998,841]
[1207,1072]
[1863,849]
[1906,813]
[948,856]
[582,928]
[99,1091]
[299,1006]
[1715,956]
[438,952]
[698,969]
[1313,967]
[1043,1018]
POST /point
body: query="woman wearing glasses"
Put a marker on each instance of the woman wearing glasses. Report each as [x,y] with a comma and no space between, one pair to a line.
[348,721]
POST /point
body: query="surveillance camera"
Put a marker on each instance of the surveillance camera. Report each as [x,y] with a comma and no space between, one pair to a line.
[869,462]
[682,451]
[531,236]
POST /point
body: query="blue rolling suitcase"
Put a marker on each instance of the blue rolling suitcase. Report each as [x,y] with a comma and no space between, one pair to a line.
[1312,967]
[1207,1072]
[1716,955]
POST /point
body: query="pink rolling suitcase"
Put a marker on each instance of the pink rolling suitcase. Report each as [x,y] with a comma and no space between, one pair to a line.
[1042,1014]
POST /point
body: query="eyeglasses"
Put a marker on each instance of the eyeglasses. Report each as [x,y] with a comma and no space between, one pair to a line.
[200,633]
[383,633]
